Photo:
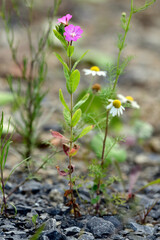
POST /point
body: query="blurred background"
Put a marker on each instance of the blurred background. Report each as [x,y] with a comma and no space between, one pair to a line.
[100,20]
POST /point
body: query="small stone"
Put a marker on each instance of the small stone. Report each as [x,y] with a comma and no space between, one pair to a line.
[151,159]
[56,196]
[86,236]
[154,144]
[118,237]
[71,238]
[7,227]
[31,186]
[72,230]
[54,235]
[155,214]
[100,227]
[118,225]
[141,228]
[50,224]
[23,209]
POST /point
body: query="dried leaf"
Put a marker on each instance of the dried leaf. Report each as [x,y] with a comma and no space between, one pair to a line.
[62,173]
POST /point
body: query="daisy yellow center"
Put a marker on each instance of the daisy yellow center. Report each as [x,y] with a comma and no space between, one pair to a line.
[129,98]
[95,68]
[116,103]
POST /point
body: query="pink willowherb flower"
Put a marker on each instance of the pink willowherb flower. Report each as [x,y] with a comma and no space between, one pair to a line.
[65,19]
[72,33]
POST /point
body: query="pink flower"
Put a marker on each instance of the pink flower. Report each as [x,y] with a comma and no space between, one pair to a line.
[72,33]
[65,19]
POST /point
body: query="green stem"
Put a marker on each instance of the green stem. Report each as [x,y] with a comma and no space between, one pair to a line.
[102,161]
[90,103]
[122,46]
[3,194]
[71,144]
[116,164]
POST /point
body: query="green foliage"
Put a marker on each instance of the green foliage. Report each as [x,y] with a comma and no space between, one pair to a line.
[142,130]
[6,98]
[144,7]
[70,50]
[85,131]
[73,81]
[38,233]
[96,171]
[63,63]
[5,141]
[157,181]
[34,219]
[60,38]
[62,100]
[76,63]
[67,117]
[81,101]
[28,100]
[113,152]
[76,117]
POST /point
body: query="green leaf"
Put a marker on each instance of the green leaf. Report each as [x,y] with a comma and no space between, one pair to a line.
[73,81]
[76,117]
[14,168]
[6,98]
[113,152]
[70,51]
[38,233]
[67,116]
[157,181]
[81,101]
[62,100]
[76,63]
[95,200]
[85,131]
[60,38]
[67,77]
[63,63]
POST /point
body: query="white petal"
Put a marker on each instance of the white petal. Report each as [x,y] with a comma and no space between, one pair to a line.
[93,73]
[135,104]
[122,98]
[109,106]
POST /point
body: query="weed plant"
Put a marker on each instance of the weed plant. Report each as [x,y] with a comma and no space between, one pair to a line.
[5,141]
[33,70]
[113,103]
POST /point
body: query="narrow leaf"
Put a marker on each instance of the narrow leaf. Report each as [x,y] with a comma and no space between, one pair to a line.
[157,181]
[61,60]
[86,130]
[83,100]
[76,117]
[60,38]
[67,117]
[76,63]
[14,168]
[62,100]
[38,233]
[67,77]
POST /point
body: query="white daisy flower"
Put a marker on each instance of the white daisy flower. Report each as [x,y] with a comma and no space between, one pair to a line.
[128,99]
[95,71]
[116,108]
